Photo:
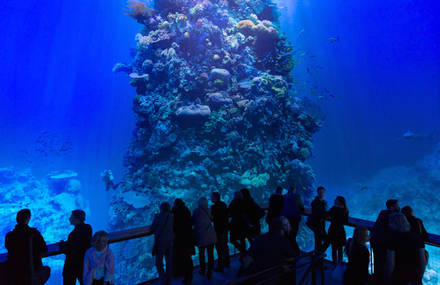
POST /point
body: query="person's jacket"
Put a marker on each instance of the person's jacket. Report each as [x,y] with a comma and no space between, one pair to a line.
[338,217]
[381,232]
[358,262]
[319,212]
[240,222]
[275,207]
[204,230]
[18,243]
[162,228]
[270,249]
[293,205]
[94,259]
[183,231]
[76,246]
[417,227]
[219,212]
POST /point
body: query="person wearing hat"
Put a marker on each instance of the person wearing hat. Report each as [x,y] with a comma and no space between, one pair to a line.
[75,247]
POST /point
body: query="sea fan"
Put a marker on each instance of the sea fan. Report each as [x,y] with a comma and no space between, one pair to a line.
[138,10]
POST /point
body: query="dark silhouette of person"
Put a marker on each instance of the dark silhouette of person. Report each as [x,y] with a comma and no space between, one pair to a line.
[75,248]
[275,205]
[336,233]
[220,217]
[254,213]
[26,248]
[380,238]
[316,221]
[358,258]
[292,210]
[183,242]
[270,249]
[162,227]
[206,237]
[405,258]
[239,223]
[416,223]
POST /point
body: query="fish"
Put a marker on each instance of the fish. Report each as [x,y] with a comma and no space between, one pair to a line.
[334,39]
[409,135]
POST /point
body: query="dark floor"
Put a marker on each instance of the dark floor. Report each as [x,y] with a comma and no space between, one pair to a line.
[231,274]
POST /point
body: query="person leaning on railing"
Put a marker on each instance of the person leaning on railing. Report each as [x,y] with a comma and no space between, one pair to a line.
[75,248]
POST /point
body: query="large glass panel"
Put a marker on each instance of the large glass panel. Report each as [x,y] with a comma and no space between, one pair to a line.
[116,106]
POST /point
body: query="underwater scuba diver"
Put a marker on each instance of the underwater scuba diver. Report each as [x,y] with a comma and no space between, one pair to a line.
[107,177]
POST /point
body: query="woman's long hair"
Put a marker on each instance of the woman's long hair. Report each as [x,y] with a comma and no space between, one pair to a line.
[341,201]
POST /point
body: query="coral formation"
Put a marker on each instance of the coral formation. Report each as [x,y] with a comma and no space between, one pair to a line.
[50,200]
[215,110]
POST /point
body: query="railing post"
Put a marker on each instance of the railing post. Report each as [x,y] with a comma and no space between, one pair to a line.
[313,269]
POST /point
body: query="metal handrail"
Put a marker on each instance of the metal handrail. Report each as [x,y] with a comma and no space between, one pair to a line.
[124,235]
[287,266]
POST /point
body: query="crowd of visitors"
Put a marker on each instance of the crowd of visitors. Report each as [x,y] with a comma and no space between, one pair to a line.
[397,241]
[88,260]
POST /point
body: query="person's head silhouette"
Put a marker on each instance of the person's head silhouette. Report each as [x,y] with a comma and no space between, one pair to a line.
[23,216]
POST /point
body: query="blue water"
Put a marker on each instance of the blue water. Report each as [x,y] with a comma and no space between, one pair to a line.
[56,61]
[386,71]
[380,79]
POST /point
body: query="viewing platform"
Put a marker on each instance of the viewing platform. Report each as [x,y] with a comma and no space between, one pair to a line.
[306,269]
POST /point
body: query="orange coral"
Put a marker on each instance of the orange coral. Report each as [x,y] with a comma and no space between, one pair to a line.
[138,10]
[246,26]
